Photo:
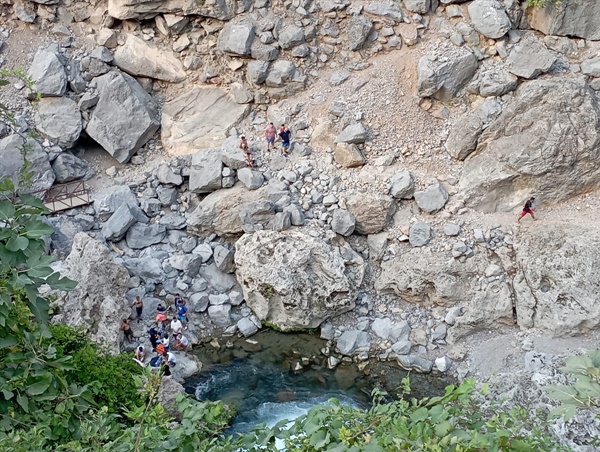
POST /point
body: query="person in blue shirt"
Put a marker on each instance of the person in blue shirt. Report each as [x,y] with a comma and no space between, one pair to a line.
[182,313]
[285,135]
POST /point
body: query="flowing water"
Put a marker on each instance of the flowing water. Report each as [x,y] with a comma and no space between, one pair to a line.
[275,376]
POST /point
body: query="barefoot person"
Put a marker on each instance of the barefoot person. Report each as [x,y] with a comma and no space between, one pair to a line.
[126,328]
[247,152]
[139,307]
[527,209]
[270,135]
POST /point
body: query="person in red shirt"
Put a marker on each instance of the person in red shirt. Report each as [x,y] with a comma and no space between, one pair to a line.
[527,209]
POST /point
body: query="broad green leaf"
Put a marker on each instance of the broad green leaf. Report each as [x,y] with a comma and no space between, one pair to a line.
[40,272]
[7,185]
[17,243]
[33,201]
[39,308]
[23,401]
[7,210]
[40,386]
[419,415]
[36,229]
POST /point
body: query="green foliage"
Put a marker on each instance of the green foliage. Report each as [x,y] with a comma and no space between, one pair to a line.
[585,392]
[452,422]
[541,3]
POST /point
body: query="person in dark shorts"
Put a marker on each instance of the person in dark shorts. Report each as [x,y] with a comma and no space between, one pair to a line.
[126,328]
[527,209]
[139,307]
[247,152]
[285,135]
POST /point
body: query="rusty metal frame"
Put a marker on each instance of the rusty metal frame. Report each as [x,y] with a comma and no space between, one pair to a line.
[65,196]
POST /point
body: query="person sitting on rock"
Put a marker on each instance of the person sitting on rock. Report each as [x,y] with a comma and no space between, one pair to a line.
[247,152]
[161,313]
[182,342]
[126,328]
[140,353]
[176,326]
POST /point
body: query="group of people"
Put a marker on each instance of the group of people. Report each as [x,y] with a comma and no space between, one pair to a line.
[162,335]
[271,134]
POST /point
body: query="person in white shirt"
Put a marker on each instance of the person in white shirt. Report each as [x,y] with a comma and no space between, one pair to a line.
[182,342]
[176,326]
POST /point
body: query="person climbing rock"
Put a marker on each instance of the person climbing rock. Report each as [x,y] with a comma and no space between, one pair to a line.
[270,135]
[182,342]
[126,328]
[285,135]
[139,307]
[247,152]
[527,209]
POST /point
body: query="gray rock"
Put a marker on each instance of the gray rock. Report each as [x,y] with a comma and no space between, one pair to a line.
[199,302]
[241,94]
[107,200]
[339,77]
[231,154]
[432,199]
[452,314]
[221,282]
[354,134]
[451,229]
[497,83]
[11,155]
[204,250]
[257,215]
[567,18]
[264,52]
[224,259]
[529,58]
[402,185]
[218,300]
[489,18]
[464,133]
[591,67]
[443,364]
[377,244]
[250,178]
[48,73]
[372,212]
[165,175]
[142,236]
[220,315]
[235,298]
[150,206]
[358,28]
[206,171]
[87,101]
[349,155]
[414,362]
[147,269]
[25,12]
[386,9]
[401,347]
[296,214]
[420,234]
[382,327]
[257,72]
[59,120]
[118,224]
[67,167]
[246,327]
[282,221]
[172,221]
[343,222]
[443,78]
[351,341]
[236,38]
[122,128]
[141,59]
[439,332]
[290,36]
[327,331]
[418,6]
[400,331]
[166,195]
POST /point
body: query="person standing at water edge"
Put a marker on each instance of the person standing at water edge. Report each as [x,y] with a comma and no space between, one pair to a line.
[527,209]
[270,134]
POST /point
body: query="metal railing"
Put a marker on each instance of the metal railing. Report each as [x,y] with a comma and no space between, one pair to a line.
[65,196]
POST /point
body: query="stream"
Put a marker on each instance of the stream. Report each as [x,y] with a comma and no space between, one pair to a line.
[274,376]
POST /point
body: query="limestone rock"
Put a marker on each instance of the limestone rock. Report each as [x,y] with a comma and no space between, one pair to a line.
[118,224]
[530,58]
[107,200]
[343,222]
[236,38]
[252,179]
[122,127]
[290,36]
[67,168]
[489,18]
[419,234]
[59,120]
[143,9]
[464,133]
[147,269]
[139,58]
[219,212]
[496,82]
[349,155]
[199,119]
[165,175]
[414,362]
[402,185]
[295,281]
[142,236]
[567,18]
[167,395]
[257,215]
[11,155]
[48,73]
[224,259]
[353,340]
[98,302]
[206,171]
[353,134]
[538,146]
[389,9]
[220,315]
[442,78]
[231,154]
[371,211]
[418,6]
[432,199]
[591,67]
[358,28]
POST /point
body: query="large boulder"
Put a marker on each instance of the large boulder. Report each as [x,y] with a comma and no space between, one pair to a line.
[371,211]
[67,168]
[530,58]
[464,133]
[143,235]
[146,9]
[139,58]
[443,77]
[292,280]
[358,28]
[206,171]
[545,142]
[236,38]
[108,199]
[489,18]
[567,18]
[199,119]
[98,302]
[48,73]
[11,155]
[219,212]
[59,120]
[125,117]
